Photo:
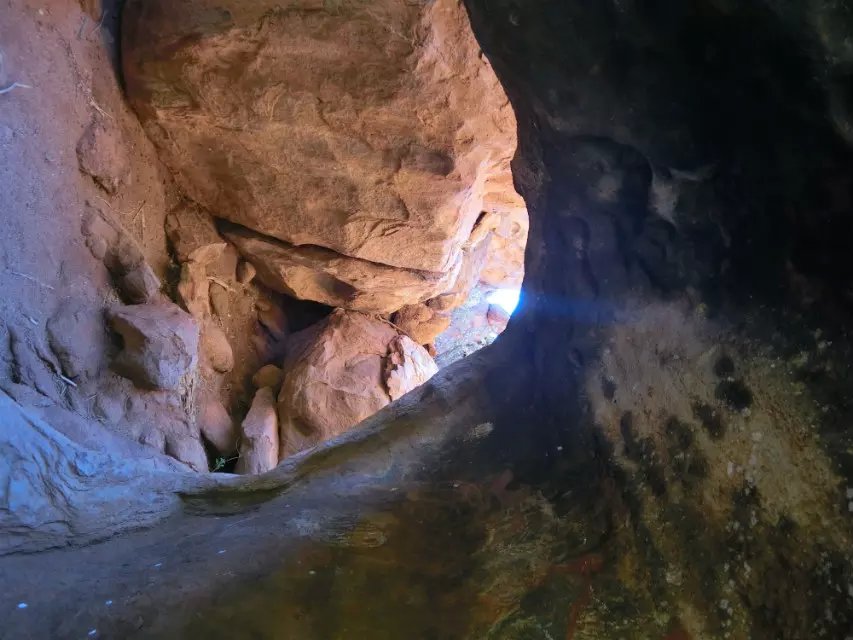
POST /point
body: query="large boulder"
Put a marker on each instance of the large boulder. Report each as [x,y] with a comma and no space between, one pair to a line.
[341,371]
[160,344]
[376,129]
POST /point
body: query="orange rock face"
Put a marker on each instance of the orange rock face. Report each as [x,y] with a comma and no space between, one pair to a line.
[374,129]
[341,371]
[505,264]
[314,273]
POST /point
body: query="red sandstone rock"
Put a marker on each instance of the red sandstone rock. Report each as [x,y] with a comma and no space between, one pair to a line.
[220,302]
[77,336]
[268,376]
[160,344]
[193,235]
[140,284]
[504,266]
[245,272]
[215,348]
[259,445]
[102,154]
[321,275]
[110,242]
[424,322]
[339,372]
[269,119]
[272,318]
[217,427]
[407,366]
[194,289]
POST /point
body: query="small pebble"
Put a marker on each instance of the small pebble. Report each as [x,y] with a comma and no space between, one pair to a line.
[109,603]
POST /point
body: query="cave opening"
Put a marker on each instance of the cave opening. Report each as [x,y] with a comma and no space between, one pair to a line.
[281,247]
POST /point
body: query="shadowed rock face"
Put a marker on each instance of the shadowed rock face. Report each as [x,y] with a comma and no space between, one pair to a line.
[684,168]
[658,446]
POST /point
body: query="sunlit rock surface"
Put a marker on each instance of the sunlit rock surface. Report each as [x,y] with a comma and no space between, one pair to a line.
[372,129]
[342,371]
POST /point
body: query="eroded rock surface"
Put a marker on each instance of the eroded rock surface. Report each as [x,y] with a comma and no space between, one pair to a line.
[321,275]
[504,266]
[193,235]
[217,426]
[72,332]
[102,154]
[121,254]
[55,491]
[341,371]
[259,444]
[268,376]
[269,119]
[424,322]
[160,344]
[407,366]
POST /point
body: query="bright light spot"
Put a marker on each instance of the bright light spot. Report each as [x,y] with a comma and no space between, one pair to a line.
[507,299]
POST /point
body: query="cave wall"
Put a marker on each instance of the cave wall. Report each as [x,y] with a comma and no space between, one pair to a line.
[658,446]
[687,296]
